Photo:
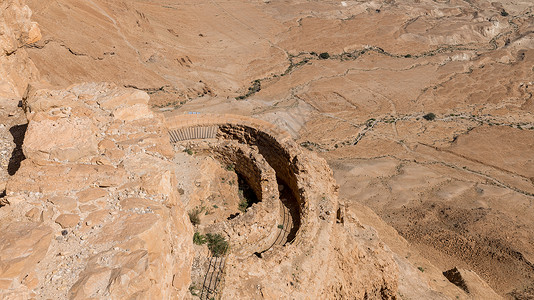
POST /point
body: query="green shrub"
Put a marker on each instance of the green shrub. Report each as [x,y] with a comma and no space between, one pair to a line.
[324,55]
[243,204]
[217,244]
[193,290]
[199,239]
[189,151]
[194,215]
[429,116]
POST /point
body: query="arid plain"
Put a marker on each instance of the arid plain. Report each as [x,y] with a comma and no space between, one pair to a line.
[422,109]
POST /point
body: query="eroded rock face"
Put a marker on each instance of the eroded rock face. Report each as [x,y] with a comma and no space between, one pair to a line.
[94,205]
[16,71]
[16,30]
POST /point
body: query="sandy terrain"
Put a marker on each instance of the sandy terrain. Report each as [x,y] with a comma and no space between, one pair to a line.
[354,81]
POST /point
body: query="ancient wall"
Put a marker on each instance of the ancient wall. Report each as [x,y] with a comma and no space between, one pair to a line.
[305,266]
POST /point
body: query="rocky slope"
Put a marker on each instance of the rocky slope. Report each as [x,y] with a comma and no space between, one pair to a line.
[90,212]
[423,109]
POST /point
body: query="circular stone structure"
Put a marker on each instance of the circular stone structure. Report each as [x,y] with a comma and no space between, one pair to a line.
[297,195]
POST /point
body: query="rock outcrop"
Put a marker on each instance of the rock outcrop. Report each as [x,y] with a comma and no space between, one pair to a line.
[93,211]
[16,30]
[16,72]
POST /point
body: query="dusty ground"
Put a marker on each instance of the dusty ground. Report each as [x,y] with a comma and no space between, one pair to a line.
[351,80]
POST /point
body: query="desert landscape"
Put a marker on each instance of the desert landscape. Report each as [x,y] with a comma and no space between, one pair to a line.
[266,149]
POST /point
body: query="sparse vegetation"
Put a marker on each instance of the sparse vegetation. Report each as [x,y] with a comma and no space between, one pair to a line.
[243,203]
[280,226]
[199,239]
[370,122]
[324,55]
[246,195]
[429,116]
[194,215]
[188,151]
[230,167]
[217,244]
[421,269]
[253,89]
[193,290]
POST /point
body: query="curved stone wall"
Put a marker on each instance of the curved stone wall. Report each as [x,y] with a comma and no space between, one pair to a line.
[273,144]
[256,229]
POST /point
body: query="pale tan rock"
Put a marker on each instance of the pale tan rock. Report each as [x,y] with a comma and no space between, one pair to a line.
[64,204]
[97,217]
[16,69]
[88,208]
[160,183]
[91,194]
[132,203]
[47,214]
[93,282]
[31,281]
[34,214]
[127,226]
[22,245]
[126,98]
[407,65]
[67,220]
[5,284]
[64,177]
[101,160]
[68,140]
[135,112]
[106,144]
[115,154]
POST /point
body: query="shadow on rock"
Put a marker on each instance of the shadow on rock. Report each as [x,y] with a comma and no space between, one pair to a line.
[18,132]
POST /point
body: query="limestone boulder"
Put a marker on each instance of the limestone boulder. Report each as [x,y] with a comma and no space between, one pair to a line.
[135,112]
[22,245]
[65,139]
[68,220]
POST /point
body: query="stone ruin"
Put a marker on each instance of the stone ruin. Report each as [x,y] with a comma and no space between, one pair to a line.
[96,208]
